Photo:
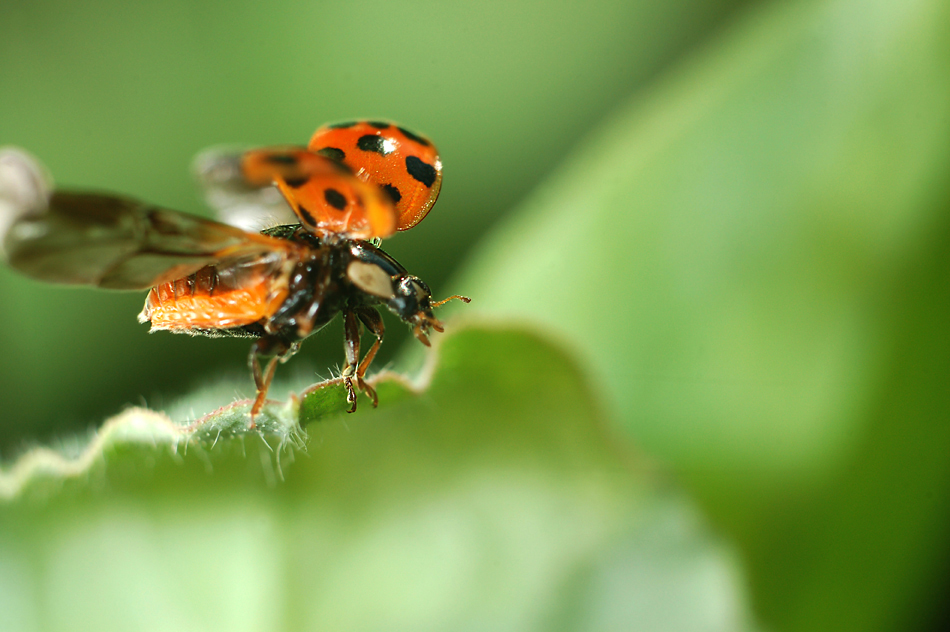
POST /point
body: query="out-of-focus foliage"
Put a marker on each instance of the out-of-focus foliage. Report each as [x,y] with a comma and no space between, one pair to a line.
[751,257]
[461,508]
[747,259]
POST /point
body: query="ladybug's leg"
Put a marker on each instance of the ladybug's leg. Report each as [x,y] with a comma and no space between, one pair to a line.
[351,346]
[355,370]
[374,322]
[276,349]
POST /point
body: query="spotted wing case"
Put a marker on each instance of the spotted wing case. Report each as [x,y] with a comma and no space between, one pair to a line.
[326,196]
[404,164]
[356,180]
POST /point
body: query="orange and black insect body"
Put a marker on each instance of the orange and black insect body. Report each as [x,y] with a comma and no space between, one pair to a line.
[282,300]
[356,182]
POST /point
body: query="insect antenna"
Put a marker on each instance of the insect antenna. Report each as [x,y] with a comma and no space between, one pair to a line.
[464,299]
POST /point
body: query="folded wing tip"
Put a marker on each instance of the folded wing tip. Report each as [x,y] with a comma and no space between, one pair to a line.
[25,188]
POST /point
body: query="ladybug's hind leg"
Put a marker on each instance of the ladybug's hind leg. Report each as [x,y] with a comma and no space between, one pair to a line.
[356,370]
[276,349]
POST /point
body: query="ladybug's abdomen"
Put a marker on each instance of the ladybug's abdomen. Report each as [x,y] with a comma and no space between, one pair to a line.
[215,299]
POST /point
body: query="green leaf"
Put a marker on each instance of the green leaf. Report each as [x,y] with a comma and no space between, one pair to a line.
[713,246]
[495,498]
[748,259]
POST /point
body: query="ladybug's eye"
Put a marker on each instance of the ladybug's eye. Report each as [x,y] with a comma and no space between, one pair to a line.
[414,287]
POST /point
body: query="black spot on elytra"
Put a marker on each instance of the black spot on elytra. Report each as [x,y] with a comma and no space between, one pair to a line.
[421,171]
[296,183]
[393,193]
[371,142]
[335,199]
[342,125]
[306,216]
[333,153]
[281,159]
[379,124]
[413,137]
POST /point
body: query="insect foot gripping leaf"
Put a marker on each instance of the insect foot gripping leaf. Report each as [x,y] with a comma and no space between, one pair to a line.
[24,188]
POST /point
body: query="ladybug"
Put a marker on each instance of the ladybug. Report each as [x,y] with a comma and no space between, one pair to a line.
[354,184]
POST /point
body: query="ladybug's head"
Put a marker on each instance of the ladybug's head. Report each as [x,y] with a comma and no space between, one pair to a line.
[412,302]
[407,296]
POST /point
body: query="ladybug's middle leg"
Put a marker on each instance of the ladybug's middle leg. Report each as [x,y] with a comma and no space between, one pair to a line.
[351,347]
[276,349]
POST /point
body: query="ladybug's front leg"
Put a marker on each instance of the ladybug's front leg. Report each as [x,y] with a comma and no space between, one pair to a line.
[374,322]
[354,369]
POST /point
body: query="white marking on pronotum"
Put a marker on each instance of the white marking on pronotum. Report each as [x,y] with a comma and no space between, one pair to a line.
[371,279]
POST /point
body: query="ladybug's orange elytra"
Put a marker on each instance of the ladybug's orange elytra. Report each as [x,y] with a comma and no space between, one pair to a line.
[404,164]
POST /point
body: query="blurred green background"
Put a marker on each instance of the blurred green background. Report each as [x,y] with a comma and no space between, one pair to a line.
[732,214]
